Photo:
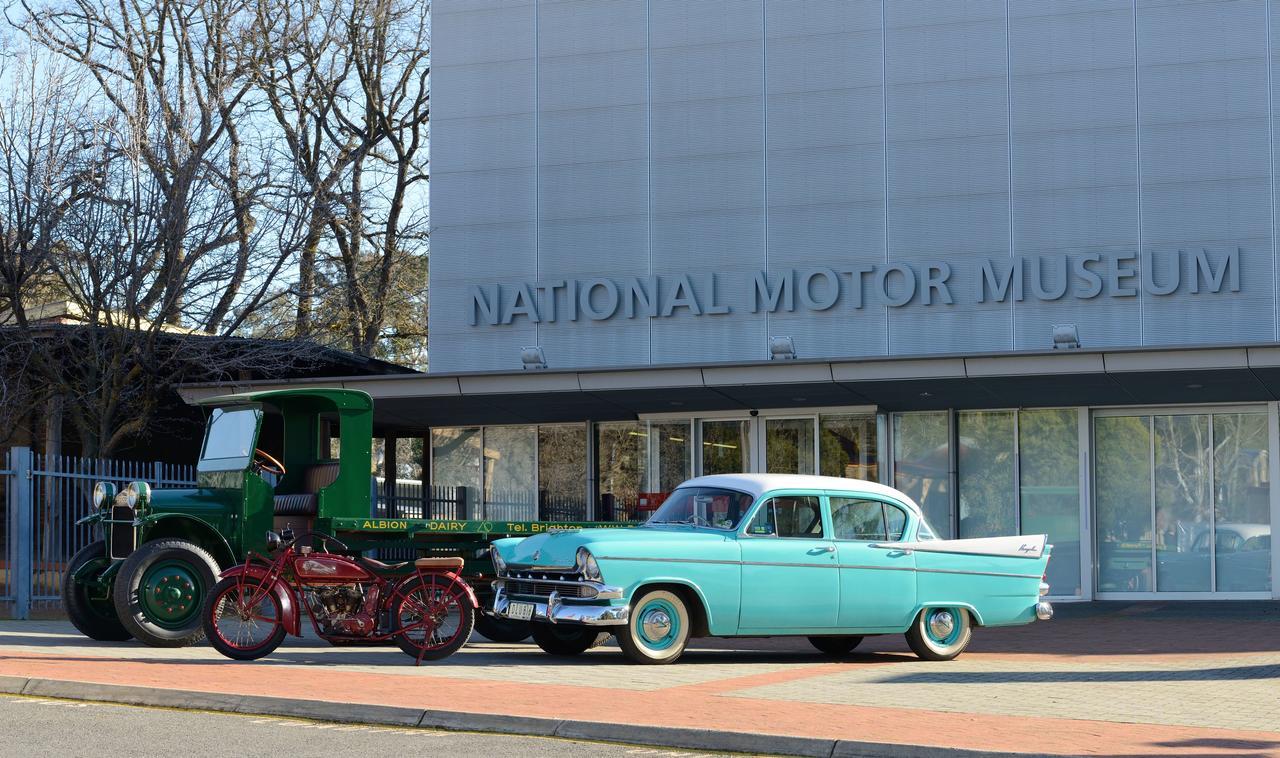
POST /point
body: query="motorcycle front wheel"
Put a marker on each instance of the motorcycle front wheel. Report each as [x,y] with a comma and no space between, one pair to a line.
[238,626]
[433,617]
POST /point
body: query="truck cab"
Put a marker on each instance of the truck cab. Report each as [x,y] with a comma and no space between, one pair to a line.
[268,459]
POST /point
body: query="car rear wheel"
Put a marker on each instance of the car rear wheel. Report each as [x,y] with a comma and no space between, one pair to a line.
[89,606]
[160,591]
[940,634]
[835,645]
[658,629]
[567,640]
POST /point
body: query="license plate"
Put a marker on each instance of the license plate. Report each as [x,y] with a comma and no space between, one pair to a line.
[520,611]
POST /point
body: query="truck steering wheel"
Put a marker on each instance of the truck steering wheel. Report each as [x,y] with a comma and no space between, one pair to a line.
[263,460]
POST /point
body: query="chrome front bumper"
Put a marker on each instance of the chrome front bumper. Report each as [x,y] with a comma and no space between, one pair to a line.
[556,611]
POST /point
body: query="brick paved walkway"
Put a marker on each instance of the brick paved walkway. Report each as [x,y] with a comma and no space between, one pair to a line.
[1113,679]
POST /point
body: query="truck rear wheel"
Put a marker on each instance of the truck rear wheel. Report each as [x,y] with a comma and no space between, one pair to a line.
[565,639]
[90,609]
[161,589]
[502,630]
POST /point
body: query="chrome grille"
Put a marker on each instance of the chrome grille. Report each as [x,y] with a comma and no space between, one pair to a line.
[543,583]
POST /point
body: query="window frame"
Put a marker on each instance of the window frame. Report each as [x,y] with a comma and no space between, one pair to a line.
[908,526]
[824,516]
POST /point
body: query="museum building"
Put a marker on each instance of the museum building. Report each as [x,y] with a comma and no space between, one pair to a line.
[1016,258]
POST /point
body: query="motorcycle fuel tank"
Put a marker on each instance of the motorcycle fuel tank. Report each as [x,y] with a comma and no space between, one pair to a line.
[326,568]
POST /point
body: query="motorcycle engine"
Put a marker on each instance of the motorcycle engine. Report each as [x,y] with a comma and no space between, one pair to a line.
[344,609]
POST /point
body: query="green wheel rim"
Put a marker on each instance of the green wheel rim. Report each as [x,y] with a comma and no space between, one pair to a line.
[170,594]
[943,626]
[658,624]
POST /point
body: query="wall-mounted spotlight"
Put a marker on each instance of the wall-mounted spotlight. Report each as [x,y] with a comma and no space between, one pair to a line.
[1065,337]
[782,349]
[533,358]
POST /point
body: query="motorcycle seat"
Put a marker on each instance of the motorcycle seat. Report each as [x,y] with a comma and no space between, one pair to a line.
[449,564]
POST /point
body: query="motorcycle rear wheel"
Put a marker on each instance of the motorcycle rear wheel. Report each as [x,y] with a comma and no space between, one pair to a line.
[237,632]
[447,606]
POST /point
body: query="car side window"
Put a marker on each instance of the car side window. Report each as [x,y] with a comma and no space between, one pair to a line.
[867,520]
[788,516]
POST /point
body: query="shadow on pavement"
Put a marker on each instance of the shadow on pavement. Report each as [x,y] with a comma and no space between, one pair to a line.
[1236,673]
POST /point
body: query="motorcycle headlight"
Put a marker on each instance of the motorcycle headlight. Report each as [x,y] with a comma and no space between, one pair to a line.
[587,563]
[137,494]
[103,494]
[499,565]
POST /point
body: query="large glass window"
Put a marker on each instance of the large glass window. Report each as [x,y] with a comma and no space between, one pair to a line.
[562,472]
[726,447]
[986,473]
[1183,503]
[456,457]
[510,482]
[1049,489]
[669,460]
[848,447]
[798,516]
[788,445]
[621,453]
[922,464]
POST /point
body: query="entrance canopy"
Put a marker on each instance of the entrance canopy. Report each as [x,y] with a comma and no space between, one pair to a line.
[414,402]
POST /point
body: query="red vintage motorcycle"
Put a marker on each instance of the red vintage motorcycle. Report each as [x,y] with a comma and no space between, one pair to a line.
[426,608]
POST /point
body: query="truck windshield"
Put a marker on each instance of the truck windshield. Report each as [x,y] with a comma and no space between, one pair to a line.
[229,439]
[703,506]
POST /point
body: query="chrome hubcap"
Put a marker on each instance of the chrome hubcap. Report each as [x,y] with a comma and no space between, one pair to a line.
[656,624]
[941,624]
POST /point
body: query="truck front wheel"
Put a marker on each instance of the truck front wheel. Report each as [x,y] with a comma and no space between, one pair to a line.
[161,589]
[88,606]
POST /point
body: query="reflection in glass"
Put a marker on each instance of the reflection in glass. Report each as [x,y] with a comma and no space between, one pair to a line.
[922,465]
[621,452]
[1182,503]
[1049,472]
[847,447]
[669,459]
[726,447]
[509,476]
[1242,502]
[1123,497]
[788,446]
[986,473]
[455,460]
[562,472]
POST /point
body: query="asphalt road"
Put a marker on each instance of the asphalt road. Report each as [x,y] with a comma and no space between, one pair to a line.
[31,727]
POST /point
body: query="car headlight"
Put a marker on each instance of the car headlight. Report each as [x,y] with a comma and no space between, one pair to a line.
[103,494]
[499,565]
[137,494]
[587,563]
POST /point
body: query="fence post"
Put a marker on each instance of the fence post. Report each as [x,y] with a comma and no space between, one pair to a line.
[21,530]
[462,503]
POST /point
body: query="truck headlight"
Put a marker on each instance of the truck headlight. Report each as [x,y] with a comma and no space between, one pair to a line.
[499,565]
[137,494]
[587,563]
[103,494]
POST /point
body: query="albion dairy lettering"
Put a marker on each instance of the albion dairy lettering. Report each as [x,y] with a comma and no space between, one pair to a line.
[895,285]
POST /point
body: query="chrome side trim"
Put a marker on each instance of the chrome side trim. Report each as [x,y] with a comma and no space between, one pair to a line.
[603,591]
[824,565]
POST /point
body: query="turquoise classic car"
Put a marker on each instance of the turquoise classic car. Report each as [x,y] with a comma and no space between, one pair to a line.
[758,555]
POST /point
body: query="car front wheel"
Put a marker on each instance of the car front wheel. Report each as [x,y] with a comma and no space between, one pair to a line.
[940,634]
[657,630]
[565,639]
[835,646]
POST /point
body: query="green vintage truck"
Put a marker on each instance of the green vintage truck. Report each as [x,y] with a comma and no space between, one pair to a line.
[298,458]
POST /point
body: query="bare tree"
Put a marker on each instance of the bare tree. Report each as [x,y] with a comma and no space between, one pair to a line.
[348,84]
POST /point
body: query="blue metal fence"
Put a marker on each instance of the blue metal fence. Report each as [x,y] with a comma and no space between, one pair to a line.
[44,497]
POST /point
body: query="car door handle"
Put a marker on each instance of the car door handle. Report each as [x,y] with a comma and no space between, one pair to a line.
[824,549]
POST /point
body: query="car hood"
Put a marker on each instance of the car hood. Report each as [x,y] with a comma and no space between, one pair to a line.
[558,550]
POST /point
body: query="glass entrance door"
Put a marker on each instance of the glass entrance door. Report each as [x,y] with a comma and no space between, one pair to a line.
[1182,502]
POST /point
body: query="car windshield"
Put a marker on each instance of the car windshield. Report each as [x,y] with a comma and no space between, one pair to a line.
[229,439]
[703,506]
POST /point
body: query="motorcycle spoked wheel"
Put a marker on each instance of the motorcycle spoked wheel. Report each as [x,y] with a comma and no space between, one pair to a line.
[446,607]
[237,630]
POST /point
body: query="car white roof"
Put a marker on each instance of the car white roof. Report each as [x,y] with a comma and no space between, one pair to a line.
[758,484]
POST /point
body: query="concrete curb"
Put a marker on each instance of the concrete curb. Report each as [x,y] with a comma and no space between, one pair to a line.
[356,713]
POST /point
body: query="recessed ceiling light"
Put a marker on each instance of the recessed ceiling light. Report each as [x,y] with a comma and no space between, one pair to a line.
[926,394]
[676,402]
[799,399]
[1195,386]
